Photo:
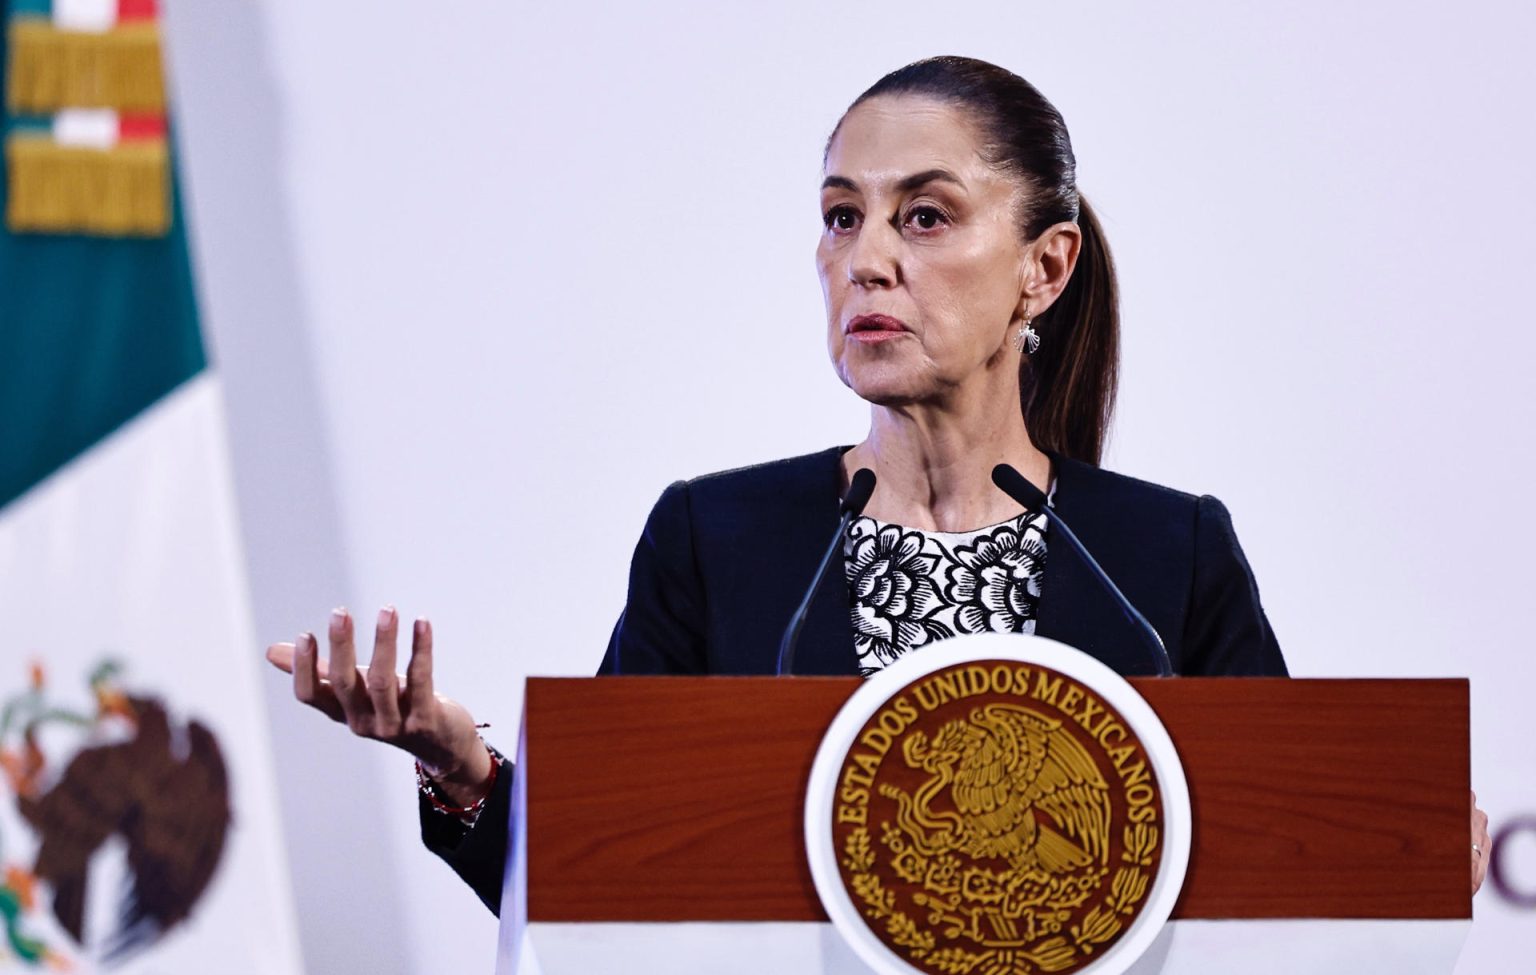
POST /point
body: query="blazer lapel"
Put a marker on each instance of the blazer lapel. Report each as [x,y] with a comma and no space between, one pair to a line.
[1061,614]
[1074,607]
[826,641]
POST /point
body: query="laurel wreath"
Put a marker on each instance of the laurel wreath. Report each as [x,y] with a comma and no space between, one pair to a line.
[1099,925]
[1125,891]
[880,903]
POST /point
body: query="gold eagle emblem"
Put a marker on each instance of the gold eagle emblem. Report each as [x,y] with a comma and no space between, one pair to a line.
[1000,766]
[1005,832]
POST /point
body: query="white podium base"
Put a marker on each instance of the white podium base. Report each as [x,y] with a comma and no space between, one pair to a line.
[1318,947]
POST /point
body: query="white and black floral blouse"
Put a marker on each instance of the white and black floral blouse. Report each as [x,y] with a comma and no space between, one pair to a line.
[911,587]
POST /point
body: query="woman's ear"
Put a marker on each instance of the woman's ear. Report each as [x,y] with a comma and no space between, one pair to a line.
[1049,261]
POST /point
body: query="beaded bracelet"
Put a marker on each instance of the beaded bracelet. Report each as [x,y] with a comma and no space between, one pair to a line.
[467,813]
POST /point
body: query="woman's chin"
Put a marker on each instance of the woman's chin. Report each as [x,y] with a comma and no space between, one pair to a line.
[888,380]
[886,390]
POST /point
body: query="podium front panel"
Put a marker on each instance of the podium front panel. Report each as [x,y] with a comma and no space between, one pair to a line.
[679,798]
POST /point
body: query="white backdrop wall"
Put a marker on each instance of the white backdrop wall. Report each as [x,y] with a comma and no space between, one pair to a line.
[483,278]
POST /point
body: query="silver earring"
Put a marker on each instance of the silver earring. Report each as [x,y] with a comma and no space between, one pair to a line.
[1027,340]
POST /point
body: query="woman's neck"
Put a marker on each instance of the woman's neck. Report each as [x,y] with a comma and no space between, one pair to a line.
[934,467]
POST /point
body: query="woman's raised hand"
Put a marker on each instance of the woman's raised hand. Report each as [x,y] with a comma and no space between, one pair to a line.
[377,703]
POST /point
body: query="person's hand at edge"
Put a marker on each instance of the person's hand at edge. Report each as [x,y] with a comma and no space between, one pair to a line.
[1482,845]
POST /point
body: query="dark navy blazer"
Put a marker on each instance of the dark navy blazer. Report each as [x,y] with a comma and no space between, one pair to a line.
[725,559]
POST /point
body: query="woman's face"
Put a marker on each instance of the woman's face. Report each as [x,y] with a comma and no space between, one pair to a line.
[921,261]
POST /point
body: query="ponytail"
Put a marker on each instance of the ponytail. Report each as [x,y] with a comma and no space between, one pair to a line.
[1068,386]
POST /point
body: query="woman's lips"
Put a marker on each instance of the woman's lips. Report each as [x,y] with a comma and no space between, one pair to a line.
[875,328]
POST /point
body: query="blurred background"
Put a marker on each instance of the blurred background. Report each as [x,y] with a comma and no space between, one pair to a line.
[469,285]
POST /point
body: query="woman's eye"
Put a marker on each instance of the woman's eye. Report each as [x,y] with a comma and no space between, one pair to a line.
[926,218]
[841,218]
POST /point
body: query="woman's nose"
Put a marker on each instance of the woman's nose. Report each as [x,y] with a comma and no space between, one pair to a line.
[872,261]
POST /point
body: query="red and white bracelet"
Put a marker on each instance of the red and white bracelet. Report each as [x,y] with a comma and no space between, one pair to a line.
[467,814]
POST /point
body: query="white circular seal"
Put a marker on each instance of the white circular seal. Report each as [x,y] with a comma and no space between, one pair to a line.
[832,758]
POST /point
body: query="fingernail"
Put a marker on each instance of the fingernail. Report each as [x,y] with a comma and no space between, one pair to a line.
[339,616]
[421,625]
[302,643]
[386,615]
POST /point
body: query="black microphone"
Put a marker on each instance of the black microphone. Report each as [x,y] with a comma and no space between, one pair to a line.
[860,487]
[1018,487]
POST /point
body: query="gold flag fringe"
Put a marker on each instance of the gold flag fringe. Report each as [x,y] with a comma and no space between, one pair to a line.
[52,69]
[119,192]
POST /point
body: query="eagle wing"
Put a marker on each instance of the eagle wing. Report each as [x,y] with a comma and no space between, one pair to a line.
[982,784]
[175,841]
[1061,779]
[72,820]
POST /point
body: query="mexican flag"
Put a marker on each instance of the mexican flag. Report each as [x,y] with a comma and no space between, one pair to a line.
[138,820]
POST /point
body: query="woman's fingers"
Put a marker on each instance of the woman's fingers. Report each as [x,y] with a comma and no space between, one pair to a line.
[345,682]
[369,700]
[307,686]
[382,684]
[419,696]
[306,678]
[280,655]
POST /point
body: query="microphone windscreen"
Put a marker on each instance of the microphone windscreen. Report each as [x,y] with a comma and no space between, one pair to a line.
[1018,487]
[860,487]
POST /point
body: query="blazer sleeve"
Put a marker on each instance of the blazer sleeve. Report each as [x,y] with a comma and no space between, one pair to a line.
[478,853]
[1226,631]
[662,628]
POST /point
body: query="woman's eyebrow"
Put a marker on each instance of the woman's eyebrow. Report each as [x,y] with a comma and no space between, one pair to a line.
[907,184]
[917,180]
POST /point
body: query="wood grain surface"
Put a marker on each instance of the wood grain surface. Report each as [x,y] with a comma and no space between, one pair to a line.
[679,798]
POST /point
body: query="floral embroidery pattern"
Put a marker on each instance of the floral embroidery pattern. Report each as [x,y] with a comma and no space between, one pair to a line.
[996,582]
[891,581]
[910,588]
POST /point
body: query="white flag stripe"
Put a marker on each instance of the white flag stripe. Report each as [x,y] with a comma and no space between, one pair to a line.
[95,16]
[87,128]
[132,551]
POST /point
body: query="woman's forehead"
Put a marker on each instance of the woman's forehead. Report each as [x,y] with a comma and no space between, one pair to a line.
[886,139]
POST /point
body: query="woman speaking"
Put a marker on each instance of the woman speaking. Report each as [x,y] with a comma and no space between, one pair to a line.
[971,301]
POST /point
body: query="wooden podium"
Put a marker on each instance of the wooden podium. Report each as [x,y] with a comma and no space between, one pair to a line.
[657,826]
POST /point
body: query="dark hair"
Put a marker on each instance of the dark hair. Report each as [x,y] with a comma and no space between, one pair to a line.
[1067,387]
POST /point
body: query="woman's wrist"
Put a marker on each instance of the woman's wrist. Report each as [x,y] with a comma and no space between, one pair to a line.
[467,781]
[461,775]
[456,795]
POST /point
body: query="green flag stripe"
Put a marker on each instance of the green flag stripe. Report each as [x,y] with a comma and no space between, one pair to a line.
[92,331]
